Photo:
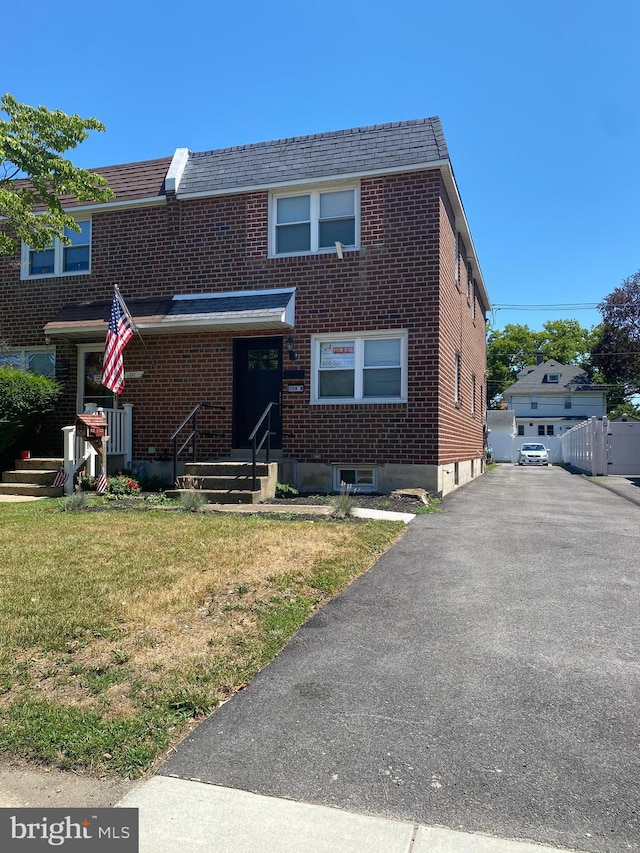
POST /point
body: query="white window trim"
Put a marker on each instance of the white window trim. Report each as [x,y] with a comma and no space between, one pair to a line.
[58,257]
[23,354]
[359,338]
[315,192]
[366,488]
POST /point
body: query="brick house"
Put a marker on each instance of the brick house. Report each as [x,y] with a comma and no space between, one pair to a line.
[334,274]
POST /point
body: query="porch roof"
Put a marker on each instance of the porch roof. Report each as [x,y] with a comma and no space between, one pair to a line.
[236,311]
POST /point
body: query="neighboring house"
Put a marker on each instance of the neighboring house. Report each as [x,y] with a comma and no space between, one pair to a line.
[334,274]
[550,398]
[502,434]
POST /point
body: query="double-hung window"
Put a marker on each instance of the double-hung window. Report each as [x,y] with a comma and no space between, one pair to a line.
[35,360]
[368,368]
[315,221]
[60,258]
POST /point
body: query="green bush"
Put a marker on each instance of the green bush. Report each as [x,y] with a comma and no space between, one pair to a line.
[24,397]
[284,490]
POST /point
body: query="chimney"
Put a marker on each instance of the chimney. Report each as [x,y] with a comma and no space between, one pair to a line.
[539,357]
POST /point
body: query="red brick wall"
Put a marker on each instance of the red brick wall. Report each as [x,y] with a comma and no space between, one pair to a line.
[401,278]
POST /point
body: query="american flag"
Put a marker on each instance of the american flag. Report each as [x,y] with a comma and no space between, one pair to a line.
[121,330]
[101,484]
[61,478]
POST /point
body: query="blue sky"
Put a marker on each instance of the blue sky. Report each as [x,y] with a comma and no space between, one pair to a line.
[538,100]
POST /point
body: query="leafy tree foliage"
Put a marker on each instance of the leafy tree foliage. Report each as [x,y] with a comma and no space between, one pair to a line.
[24,397]
[616,351]
[34,174]
[513,348]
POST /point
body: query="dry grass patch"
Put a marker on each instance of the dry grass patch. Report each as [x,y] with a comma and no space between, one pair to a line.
[117,629]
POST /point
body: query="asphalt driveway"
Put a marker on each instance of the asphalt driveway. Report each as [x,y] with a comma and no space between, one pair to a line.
[484,676]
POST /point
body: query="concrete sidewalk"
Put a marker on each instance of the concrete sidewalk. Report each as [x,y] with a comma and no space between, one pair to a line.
[179,814]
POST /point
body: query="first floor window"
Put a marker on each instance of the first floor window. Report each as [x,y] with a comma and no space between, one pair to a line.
[473,393]
[520,429]
[35,360]
[60,258]
[314,221]
[362,368]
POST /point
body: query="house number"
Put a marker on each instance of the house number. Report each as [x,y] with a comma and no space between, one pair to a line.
[296,389]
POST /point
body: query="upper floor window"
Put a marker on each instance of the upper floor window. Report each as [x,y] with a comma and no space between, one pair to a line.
[314,221]
[60,258]
[551,377]
[366,368]
[35,360]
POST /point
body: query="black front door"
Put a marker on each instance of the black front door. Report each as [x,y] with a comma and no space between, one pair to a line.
[257,381]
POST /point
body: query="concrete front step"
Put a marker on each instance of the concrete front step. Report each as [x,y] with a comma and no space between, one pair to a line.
[31,489]
[32,478]
[38,463]
[226,469]
[218,484]
[228,481]
[38,477]
[214,496]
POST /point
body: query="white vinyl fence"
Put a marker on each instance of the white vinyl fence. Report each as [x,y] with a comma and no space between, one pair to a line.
[601,447]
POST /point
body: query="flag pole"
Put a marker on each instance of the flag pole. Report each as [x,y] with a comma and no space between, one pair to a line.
[137,331]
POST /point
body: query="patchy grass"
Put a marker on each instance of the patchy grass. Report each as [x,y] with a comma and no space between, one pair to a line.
[118,629]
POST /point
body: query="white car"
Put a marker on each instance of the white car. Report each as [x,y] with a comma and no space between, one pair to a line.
[533,454]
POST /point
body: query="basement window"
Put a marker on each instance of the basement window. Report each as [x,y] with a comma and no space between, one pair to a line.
[354,479]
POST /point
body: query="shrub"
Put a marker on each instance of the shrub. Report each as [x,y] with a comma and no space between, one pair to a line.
[74,503]
[343,503]
[284,490]
[192,501]
[24,397]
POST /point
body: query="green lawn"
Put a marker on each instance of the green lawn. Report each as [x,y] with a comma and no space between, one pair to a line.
[117,629]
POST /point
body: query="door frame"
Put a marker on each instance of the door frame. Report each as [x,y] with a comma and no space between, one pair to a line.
[276,341]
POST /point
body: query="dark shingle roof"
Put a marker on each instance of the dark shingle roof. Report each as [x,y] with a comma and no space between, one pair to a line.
[534,380]
[128,181]
[376,148]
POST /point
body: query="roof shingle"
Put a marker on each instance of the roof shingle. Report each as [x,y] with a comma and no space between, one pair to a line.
[375,148]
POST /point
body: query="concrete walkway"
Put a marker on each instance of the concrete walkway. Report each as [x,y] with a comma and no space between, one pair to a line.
[484,677]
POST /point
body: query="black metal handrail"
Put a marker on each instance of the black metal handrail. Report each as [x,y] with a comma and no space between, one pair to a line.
[256,446]
[192,437]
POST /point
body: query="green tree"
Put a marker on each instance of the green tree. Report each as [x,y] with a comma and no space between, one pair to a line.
[511,349]
[24,398]
[34,174]
[616,352]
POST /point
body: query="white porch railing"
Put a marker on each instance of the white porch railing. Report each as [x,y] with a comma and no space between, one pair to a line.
[78,453]
[585,446]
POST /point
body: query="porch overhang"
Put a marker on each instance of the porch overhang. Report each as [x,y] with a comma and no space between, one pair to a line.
[233,311]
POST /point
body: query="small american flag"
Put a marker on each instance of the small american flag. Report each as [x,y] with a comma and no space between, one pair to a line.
[61,477]
[101,484]
[120,332]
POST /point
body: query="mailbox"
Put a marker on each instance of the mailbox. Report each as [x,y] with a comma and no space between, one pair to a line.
[91,426]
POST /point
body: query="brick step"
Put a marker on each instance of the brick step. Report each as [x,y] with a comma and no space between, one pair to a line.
[215,496]
[31,490]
